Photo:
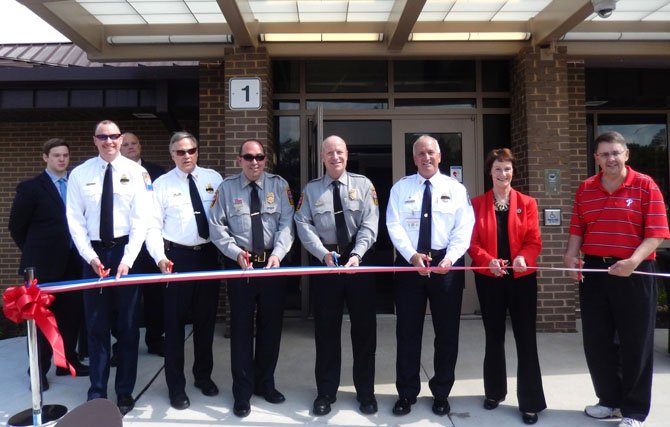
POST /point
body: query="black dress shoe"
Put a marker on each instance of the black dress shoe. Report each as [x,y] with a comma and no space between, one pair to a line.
[179,401]
[272,396]
[403,406]
[441,406]
[80,369]
[491,403]
[368,405]
[529,417]
[241,409]
[322,404]
[207,387]
[125,403]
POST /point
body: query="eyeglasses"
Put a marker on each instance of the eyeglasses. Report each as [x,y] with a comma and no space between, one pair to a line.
[606,154]
[182,153]
[103,137]
[251,157]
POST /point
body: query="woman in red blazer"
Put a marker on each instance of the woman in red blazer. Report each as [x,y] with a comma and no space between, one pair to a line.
[507,234]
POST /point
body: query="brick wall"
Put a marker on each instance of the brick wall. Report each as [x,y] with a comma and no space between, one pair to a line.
[221,129]
[544,137]
[578,148]
[23,149]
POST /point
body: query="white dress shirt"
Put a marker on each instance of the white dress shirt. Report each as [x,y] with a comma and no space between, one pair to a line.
[452,215]
[174,211]
[132,205]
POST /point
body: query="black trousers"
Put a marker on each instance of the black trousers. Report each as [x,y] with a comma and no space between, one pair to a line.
[152,299]
[105,308]
[253,364]
[519,296]
[444,293]
[330,293]
[68,308]
[197,301]
[618,320]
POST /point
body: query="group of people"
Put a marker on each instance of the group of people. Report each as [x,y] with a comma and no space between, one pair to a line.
[190,217]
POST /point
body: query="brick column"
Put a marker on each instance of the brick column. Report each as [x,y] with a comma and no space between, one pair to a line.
[221,129]
[547,127]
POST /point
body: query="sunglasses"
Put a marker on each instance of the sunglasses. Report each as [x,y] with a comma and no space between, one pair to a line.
[103,137]
[190,151]
[251,157]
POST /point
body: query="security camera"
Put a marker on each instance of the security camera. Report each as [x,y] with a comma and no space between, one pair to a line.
[604,8]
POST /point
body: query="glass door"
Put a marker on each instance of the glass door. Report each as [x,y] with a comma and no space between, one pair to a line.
[460,159]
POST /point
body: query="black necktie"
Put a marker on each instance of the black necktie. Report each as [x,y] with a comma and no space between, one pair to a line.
[107,207]
[340,224]
[423,245]
[257,243]
[198,209]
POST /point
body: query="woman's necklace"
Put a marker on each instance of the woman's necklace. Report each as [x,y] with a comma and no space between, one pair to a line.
[500,205]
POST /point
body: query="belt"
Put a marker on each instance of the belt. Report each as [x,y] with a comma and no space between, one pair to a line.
[123,240]
[607,260]
[595,259]
[262,257]
[171,245]
[436,253]
[342,251]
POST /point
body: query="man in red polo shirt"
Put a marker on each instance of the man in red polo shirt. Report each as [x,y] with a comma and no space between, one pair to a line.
[618,221]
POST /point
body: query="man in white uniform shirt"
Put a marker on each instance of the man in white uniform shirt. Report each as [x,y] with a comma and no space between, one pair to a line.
[183,198]
[430,220]
[109,199]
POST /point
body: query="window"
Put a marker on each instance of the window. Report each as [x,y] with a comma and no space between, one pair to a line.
[647,139]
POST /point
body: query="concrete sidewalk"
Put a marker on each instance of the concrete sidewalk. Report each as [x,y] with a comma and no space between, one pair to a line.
[566,383]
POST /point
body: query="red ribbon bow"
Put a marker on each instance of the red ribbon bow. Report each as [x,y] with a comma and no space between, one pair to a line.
[29,303]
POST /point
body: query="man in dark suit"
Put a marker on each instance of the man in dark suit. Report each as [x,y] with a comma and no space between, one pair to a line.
[151,294]
[39,227]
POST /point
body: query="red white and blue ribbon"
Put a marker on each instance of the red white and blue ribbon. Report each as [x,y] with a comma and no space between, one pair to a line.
[144,279]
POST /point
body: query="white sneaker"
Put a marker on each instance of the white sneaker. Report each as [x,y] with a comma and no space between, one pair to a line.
[601,412]
[630,422]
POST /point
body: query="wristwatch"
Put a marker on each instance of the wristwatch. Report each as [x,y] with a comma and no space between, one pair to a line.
[354,254]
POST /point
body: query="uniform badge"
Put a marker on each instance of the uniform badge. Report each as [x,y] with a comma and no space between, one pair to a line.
[124,179]
[209,188]
[216,196]
[302,195]
[352,194]
[289,195]
[374,197]
[270,198]
[445,197]
[147,181]
[237,203]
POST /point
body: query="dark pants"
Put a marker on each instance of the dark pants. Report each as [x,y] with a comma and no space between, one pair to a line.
[152,299]
[254,370]
[197,300]
[618,320]
[331,292]
[496,296]
[114,306]
[68,308]
[444,292]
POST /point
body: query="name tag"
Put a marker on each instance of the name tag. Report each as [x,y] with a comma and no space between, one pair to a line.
[412,224]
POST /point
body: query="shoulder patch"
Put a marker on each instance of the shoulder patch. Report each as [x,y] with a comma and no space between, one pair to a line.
[289,195]
[147,181]
[214,199]
[302,196]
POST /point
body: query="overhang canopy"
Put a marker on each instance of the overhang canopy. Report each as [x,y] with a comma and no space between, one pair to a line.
[127,30]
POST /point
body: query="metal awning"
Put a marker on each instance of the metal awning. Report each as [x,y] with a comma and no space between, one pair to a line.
[133,30]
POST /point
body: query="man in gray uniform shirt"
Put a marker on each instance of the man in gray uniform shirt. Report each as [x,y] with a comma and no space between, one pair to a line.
[251,224]
[337,220]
